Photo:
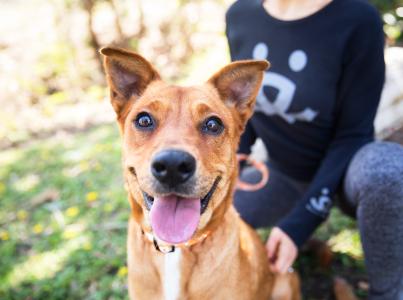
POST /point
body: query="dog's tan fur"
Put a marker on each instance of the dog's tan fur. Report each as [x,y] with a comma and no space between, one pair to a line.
[231,262]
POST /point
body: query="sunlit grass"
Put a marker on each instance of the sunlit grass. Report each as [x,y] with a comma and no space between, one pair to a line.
[26,183]
[73,245]
[42,265]
[348,242]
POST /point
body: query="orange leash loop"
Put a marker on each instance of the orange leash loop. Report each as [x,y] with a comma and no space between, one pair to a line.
[261,167]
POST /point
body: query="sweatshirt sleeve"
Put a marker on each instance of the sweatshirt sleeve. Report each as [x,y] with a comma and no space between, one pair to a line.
[359,91]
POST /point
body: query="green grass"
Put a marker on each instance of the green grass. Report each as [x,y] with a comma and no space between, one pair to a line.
[74,247]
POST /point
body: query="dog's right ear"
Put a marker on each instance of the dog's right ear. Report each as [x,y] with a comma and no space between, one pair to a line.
[238,84]
[128,74]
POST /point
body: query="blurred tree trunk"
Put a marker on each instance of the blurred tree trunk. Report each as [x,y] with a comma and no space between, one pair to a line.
[93,40]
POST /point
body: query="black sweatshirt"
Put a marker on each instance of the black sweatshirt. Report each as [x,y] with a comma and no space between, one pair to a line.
[319,98]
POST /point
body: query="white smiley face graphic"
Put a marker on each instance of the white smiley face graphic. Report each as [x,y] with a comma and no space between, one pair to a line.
[297,61]
[320,205]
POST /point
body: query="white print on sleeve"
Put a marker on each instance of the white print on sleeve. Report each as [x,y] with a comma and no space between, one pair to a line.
[286,88]
[321,205]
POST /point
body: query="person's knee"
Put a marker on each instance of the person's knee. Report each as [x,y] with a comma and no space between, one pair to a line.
[377,169]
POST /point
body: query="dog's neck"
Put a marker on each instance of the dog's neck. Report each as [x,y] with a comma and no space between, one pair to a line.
[167,248]
[195,268]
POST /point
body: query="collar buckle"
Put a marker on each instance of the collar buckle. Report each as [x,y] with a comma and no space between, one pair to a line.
[163,249]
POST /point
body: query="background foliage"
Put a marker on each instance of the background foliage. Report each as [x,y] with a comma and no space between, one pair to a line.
[393,18]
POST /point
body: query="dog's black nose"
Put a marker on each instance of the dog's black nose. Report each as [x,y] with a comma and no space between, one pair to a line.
[173,167]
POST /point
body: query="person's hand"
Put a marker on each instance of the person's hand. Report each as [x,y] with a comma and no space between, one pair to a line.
[281,251]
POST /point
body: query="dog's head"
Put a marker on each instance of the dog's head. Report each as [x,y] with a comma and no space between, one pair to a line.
[179,143]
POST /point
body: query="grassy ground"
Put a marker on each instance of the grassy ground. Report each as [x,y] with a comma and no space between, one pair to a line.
[63,214]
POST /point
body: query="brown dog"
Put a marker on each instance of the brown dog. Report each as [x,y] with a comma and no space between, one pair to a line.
[185,239]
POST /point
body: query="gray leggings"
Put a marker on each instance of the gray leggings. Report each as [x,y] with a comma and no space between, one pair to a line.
[373,187]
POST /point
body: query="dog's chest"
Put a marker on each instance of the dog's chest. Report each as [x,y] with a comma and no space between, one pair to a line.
[171,279]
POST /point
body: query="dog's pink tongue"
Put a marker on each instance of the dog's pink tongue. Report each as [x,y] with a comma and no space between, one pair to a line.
[174,220]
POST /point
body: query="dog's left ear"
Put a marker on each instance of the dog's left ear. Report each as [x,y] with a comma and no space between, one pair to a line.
[238,85]
[128,75]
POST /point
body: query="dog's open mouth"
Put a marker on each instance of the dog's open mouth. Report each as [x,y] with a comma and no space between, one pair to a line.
[174,219]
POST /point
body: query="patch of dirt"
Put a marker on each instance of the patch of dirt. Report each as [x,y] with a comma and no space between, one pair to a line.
[317,281]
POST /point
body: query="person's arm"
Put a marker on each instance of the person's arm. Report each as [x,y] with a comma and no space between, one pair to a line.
[359,93]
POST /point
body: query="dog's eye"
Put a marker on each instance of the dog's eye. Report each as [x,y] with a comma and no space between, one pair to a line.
[212,125]
[144,121]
